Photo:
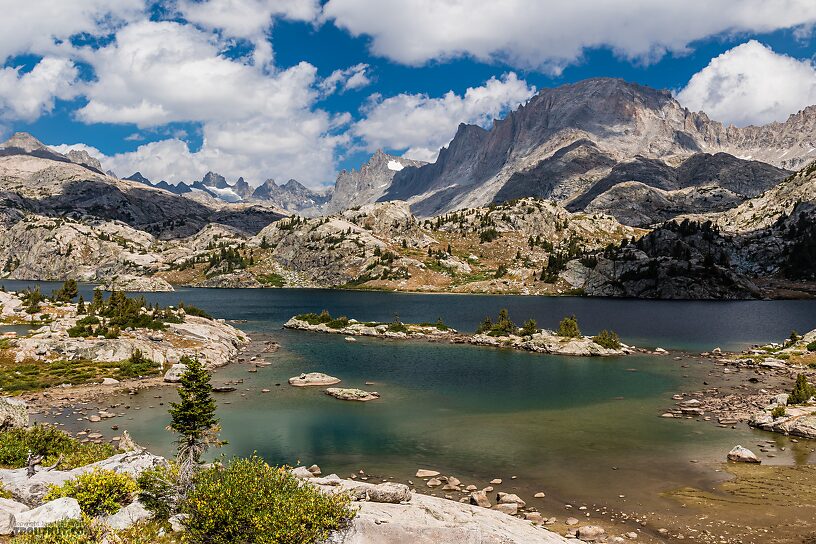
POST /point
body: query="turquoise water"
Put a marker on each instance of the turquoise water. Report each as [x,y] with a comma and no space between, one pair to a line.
[580,429]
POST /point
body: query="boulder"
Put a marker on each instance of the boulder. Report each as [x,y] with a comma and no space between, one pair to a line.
[13,413]
[352,394]
[127,516]
[315,470]
[313,379]
[177,522]
[8,509]
[302,473]
[510,498]
[389,492]
[591,533]
[109,381]
[62,509]
[424,473]
[479,498]
[742,455]
[511,509]
[174,374]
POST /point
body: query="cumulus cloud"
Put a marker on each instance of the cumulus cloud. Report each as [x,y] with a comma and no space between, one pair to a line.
[422,124]
[44,26]
[247,19]
[28,95]
[551,35]
[751,84]
[353,77]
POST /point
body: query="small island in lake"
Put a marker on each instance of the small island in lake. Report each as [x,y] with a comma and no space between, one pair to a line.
[567,340]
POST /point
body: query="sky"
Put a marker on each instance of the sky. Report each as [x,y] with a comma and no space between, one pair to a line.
[302,89]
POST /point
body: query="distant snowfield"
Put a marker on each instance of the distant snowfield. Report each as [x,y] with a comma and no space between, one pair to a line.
[395,166]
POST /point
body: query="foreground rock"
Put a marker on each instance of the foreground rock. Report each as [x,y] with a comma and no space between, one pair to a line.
[8,510]
[352,394]
[31,490]
[742,455]
[127,516]
[13,413]
[390,514]
[313,379]
[62,509]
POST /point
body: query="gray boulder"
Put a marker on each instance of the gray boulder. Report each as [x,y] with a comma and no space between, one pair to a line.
[13,413]
[742,455]
[57,510]
[127,516]
[174,374]
[8,509]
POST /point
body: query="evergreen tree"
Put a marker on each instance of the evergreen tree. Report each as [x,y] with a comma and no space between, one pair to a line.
[81,305]
[193,420]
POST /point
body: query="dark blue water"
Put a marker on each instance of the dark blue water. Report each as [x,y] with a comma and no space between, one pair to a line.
[693,325]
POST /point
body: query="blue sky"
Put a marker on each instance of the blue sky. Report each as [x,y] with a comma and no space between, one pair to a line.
[300,88]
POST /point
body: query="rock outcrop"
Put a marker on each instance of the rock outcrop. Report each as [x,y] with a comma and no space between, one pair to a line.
[13,413]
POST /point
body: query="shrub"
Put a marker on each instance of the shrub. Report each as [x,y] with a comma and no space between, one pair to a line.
[98,492]
[315,319]
[250,501]
[4,493]
[50,443]
[607,339]
[812,346]
[158,489]
[189,309]
[802,391]
[569,327]
[397,326]
[137,365]
[779,411]
[502,327]
[339,323]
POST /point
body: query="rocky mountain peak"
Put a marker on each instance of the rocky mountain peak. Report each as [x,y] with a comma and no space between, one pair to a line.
[25,142]
[138,177]
[211,179]
[242,188]
[80,156]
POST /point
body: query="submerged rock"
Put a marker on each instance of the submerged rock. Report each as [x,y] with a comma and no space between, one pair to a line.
[313,379]
[352,394]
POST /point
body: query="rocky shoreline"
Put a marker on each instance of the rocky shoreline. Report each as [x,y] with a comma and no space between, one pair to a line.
[543,341]
[760,398]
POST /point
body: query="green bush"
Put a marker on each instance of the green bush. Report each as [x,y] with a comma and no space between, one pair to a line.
[157,489]
[50,443]
[98,492]
[802,391]
[569,327]
[137,365]
[189,309]
[607,339]
[811,346]
[339,323]
[530,328]
[315,319]
[779,411]
[4,493]
[397,326]
[252,502]
[92,531]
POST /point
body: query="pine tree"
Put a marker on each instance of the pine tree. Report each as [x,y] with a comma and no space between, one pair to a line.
[193,420]
[81,305]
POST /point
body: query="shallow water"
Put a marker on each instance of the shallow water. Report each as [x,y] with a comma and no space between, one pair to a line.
[580,429]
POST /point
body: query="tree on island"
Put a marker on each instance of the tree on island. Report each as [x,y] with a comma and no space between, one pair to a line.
[193,419]
[568,327]
[67,292]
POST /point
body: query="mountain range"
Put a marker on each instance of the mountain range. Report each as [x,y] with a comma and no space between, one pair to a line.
[601,187]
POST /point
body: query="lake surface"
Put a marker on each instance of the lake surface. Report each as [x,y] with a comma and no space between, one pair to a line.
[582,430]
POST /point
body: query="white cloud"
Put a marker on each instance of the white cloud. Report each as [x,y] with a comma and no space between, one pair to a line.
[28,95]
[423,124]
[751,84]
[353,77]
[248,19]
[551,35]
[43,26]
